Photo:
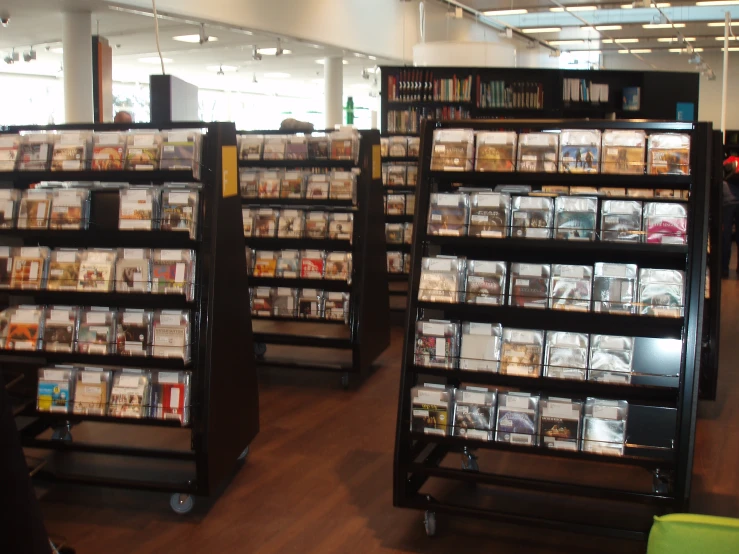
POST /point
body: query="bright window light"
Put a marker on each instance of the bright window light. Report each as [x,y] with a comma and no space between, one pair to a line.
[607,27]
[623,40]
[505,12]
[272,51]
[193,38]
[542,30]
[714,24]
[719,3]
[636,51]
[684,50]
[574,9]
[663,25]
[722,38]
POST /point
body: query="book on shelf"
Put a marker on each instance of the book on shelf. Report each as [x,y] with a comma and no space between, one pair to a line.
[581,90]
[518,94]
[632,99]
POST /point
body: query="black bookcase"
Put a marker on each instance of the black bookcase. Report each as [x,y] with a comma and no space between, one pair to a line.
[563,489]
[324,344]
[197,459]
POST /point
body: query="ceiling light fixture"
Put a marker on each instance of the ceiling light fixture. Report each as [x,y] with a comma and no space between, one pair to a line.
[719,3]
[721,24]
[663,25]
[154,60]
[574,9]
[620,40]
[676,39]
[273,51]
[194,39]
[57,50]
[30,55]
[636,51]
[685,50]
[534,30]
[606,27]
[732,49]
[372,57]
[722,38]
[505,12]
[657,5]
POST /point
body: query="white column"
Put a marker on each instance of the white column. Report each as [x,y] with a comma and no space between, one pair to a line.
[333,81]
[373,116]
[77,44]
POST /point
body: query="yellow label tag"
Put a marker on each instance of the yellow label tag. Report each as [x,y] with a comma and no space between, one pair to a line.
[230,168]
[376,162]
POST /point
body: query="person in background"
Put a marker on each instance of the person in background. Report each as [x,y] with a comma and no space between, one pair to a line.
[730,211]
[123,117]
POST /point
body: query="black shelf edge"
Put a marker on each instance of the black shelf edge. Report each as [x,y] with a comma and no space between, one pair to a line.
[291,319]
[66,446]
[398,247]
[561,320]
[41,357]
[399,218]
[400,159]
[460,442]
[292,364]
[397,278]
[393,189]
[118,176]
[488,179]
[102,238]
[118,483]
[401,134]
[333,285]
[80,418]
[271,243]
[298,164]
[113,299]
[643,395]
[313,204]
[428,103]
[300,340]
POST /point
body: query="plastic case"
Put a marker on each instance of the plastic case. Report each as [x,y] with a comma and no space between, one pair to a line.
[317,187]
[250,147]
[604,426]
[614,288]
[134,332]
[312,264]
[437,344]
[97,270]
[55,390]
[518,419]
[623,152]
[448,214]
[133,270]
[265,263]
[486,282]
[579,151]
[171,334]
[24,327]
[340,226]
[432,409]
[537,152]
[668,154]
[247,216]
[173,272]
[6,266]
[566,355]
[142,151]
[532,217]
[339,266]
[318,147]
[35,151]
[9,148]
[398,147]
[408,233]
[442,280]
[490,214]
[139,208]
[274,147]
[292,184]
[453,150]
[96,331]
[91,391]
[575,217]
[395,262]
[108,151]
[170,396]
[310,304]
[522,352]
[288,264]
[397,175]
[290,224]
[395,204]
[316,225]
[30,266]
[611,358]
[249,183]
[60,328]
[262,301]
[130,394]
[265,223]
[414,147]
[496,151]
[35,209]
[285,302]
[70,209]
[571,287]
[181,149]
[410,204]
[9,200]
[411,175]
[180,206]
[560,423]
[344,144]
[269,184]
[621,221]
[384,146]
[343,186]
[662,292]
[529,285]
[336,306]
[480,347]
[394,233]
[296,148]
[666,222]
[474,413]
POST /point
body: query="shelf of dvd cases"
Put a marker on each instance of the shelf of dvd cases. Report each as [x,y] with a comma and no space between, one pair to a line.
[131,227]
[570,330]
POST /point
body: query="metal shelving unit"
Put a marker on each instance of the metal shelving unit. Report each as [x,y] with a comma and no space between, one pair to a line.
[539,487]
[201,457]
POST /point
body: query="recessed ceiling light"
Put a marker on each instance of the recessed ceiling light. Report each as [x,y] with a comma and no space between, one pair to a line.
[273,51]
[607,27]
[663,25]
[277,75]
[322,61]
[684,50]
[541,30]
[731,49]
[624,40]
[657,5]
[721,24]
[636,51]
[718,3]
[675,39]
[154,59]
[372,57]
[358,55]
[574,9]
[722,38]
[564,42]
[224,68]
[57,50]
[193,38]
[505,12]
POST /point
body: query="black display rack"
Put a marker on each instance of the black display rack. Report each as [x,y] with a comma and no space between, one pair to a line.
[324,344]
[197,459]
[564,490]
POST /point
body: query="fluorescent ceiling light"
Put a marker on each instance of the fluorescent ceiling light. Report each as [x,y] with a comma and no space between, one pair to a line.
[657,5]
[541,30]
[722,38]
[574,9]
[684,50]
[57,50]
[624,40]
[358,55]
[273,51]
[564,42]
[505,12]
[663,25]
[277,75]
[719,3]
[193,38]
[372,57]
[721,24]
[636,51]
[675,39]
[154,59]
[224,68]
[323,61]
[607,27]
[731,49]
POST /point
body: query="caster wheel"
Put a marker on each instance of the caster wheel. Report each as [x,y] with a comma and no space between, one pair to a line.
[345,381]
[469,462]
[62,434]
[181,503]
[245,454]
[260,349]
[429,522]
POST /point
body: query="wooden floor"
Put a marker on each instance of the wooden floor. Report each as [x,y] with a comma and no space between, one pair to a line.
[318,480]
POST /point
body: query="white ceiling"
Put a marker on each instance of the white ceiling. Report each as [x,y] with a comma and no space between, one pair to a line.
[38,23]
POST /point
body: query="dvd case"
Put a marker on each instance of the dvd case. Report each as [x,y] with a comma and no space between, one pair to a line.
[310,304]
[142,151]
[398,147]
[34,210]
[414,147]
[437,344]
[343,186]
[571,287]
[170,395]
[411,175]
[108,151]
[249,183]
[575,217]
[133,270]
[316,225]
[480,347]
[522,352]
[317,187]
[288,264]
[528,286]
[397,175]
[70,209]
[290,224]
[55,390]
[97,270]
[96,331]
[292,184]
[448,214]
[395,204]
[60,328]
[179,207]
[25,327]
[496,151]
[9,148]
[339,266]
[431,406]
[336,306]
[614,288]
[611,359]
[537,152]
[269,184]
[70,151]
[579,151]
[133,334]
[394,233]
[250,147]
[265,223]
[35,151]
[623,152]
[384,147]
[559,423]
[666,222]
[247,216]
[344,144]
[9,200]
[181,149]
[318,147]
[532,217]
[138,208]
[668,154]
[170,334]
[621,221]
[474,413]
[130,394]
[442,280]
[312,264]
[490,214]
[518,419]
[395,262]
[262,302]
[662,292]
[173,272]
[274,147]
[285,301]
[453,150]
[6,266]
[486,282]
[340,226]
[91,391]
[604,426]
[566,355]
[265,263]
[30,266]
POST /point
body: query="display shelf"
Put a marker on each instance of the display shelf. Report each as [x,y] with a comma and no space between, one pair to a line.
[348,205]
[298,164]
[397,277]
[660,427]
[366,333]
[400,159]
[398,190]
[399,218]
[224,416]
[398,247]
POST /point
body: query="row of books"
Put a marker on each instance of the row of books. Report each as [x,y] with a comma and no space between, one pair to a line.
[409,121]
[419,85]
[519,94]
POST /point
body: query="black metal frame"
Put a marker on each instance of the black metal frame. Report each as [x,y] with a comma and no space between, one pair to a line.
[418,457]
[369,325]
[224,395]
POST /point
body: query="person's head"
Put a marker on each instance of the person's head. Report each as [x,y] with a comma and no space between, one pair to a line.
[123,117]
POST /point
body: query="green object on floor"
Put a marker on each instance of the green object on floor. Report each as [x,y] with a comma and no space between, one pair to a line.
[694,534]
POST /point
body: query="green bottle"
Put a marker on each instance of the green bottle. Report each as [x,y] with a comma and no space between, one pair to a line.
[350,111]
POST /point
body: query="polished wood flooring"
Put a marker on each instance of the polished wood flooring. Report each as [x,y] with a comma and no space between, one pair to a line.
[318,480]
